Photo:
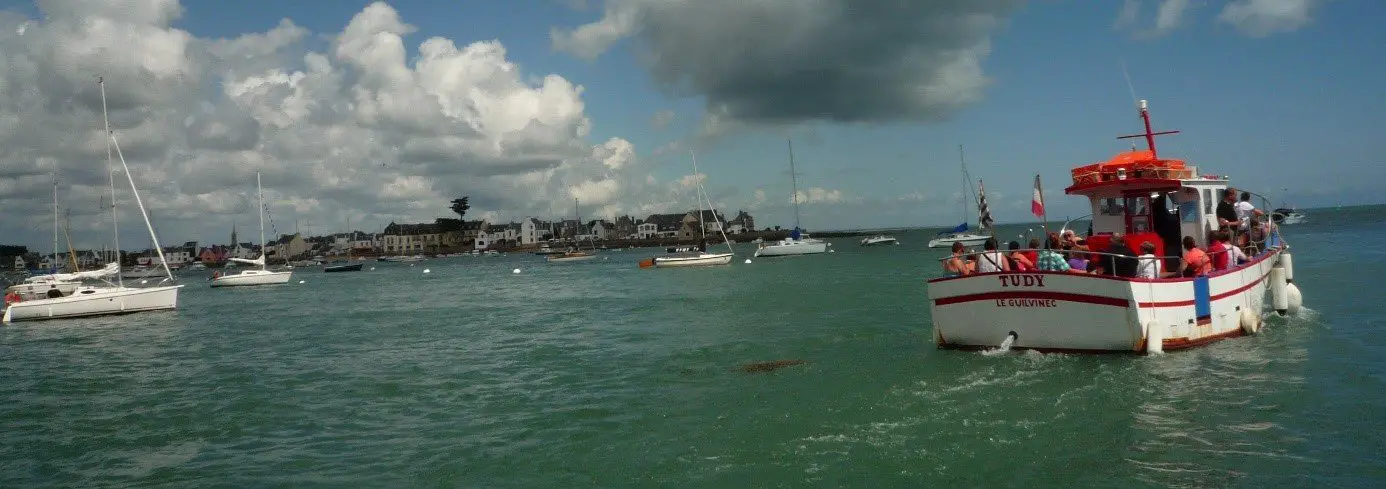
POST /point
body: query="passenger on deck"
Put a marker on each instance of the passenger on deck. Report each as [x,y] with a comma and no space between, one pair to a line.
[957,265]
[1217,251]
[1256,234]
[991,259]
[1244,210]
[1076,260]
[1196,262]
[1050,260]
[1033,254]
[1121,259]
[1019,261]
[1235,256]
[1148,265]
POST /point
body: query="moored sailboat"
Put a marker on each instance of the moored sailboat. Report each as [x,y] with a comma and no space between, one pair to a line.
[253,276]
[101,300]
[960,233]
[701,257]
[576,254]
[798,242]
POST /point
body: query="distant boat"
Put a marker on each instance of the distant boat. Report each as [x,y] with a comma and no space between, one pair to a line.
[798,242]
[575,254]
[699,257]
[260,276]
[960,233]
[342,267]
[879,239]
[1287,215]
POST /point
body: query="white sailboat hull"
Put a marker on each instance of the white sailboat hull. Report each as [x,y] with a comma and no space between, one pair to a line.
[569,259]
[252,277]
[793,247]
[699,260]
[967,239]
[96,301]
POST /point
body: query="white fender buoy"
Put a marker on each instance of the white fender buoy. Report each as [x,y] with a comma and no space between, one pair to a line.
[1289,265]
[1251,322]
[411,264]
[515,271]
[748,261]
[142,282]
[832,251]
[1294,302]
[1280,299]
[428,271]
[303,281]
[1154,338]
[372,268]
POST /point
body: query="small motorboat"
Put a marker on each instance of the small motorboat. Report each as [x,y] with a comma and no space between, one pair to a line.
[1287,215]
[342,266]
[879,239]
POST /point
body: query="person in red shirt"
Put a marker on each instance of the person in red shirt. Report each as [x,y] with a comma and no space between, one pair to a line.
[1217,251]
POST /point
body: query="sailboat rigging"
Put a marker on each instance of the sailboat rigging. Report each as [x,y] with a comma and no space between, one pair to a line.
[960,233]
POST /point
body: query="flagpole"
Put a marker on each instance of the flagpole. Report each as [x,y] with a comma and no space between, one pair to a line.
[1044,212]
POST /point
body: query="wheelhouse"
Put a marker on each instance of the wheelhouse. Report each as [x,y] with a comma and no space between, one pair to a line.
[1149,199]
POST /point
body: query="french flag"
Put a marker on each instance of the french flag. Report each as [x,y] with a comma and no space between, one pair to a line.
[1037,202]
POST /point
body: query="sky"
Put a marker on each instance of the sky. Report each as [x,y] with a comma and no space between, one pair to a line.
[365,113]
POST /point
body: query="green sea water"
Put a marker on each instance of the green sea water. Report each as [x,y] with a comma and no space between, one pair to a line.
[601,374]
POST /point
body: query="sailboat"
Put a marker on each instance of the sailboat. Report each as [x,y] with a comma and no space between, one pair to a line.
[798,242]
[101,300]
[345,266]
[960,233]
[701,257]
[575,254]
[253,276]
[51,284]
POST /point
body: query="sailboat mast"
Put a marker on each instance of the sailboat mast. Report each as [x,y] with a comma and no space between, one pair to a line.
[261,192]
[967,181]
[793,182]
[110,170]
[698,196]
[159,250]
[53,264]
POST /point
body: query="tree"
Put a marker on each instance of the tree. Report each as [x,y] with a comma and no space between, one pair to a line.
[460,207]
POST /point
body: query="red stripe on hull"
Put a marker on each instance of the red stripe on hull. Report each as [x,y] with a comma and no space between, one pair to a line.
[1215,298]
[1058,296]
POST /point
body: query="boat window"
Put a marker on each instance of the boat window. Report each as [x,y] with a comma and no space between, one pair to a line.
[1137,205]
[1188,211]
[1112,207]
[1207,201]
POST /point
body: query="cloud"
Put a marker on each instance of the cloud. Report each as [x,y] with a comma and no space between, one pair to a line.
[818,195]
[788,61]
[360,129]
[1261,18]
[661,119]
[1254,18]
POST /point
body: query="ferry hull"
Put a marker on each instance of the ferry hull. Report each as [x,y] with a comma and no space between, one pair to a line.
[1053,311]
[114,300]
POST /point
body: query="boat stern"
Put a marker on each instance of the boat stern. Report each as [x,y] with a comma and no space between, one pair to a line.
[1048,311]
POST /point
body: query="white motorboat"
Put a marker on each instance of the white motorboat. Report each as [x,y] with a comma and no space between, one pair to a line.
[698,257]
[947,239]
[798,242]
[401,258]
[100,300]
[879,239]
[1133,193]
[253,276]
[1287,215]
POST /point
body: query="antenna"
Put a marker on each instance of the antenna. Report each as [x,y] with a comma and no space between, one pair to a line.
[1129,86]
[1148,135]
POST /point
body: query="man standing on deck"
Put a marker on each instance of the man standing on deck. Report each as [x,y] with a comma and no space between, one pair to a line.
[1227,210]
